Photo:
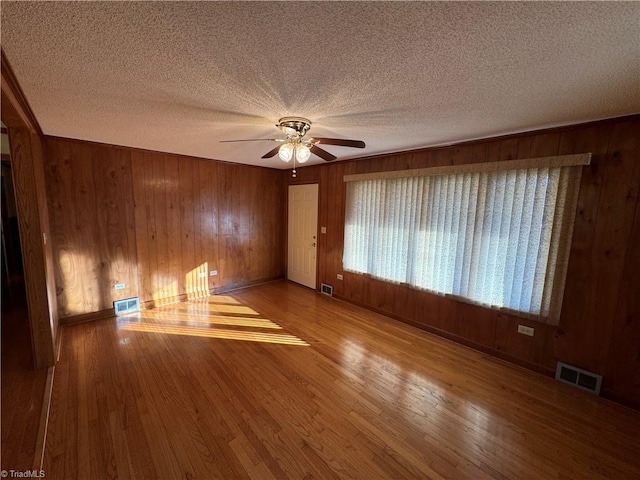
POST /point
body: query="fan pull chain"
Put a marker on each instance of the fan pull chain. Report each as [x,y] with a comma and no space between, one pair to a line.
[293,174]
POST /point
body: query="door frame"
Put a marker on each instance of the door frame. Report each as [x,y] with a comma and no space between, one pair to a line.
[26,142]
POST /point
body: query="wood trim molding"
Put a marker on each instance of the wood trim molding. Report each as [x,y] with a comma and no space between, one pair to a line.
[41,441]
[11,88]
[455,338]
[542,162]
[183,297]
[29,185]
[87,317]
[109,313]
[481,140]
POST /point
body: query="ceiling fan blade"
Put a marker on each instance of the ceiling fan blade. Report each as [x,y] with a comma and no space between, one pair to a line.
[322,153]
[271,153]
[339,141]
[255,140]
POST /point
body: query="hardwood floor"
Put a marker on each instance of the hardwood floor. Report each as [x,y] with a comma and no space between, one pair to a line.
[276,381]
[23,387]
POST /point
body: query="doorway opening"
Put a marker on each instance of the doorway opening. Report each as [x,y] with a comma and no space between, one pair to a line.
[17,349]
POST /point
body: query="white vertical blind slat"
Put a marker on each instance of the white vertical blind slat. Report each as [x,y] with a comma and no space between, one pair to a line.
[491,237]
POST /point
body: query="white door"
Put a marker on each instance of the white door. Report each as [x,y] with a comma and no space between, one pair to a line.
[303,231]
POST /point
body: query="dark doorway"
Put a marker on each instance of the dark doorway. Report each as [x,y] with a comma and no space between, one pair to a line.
[13,287]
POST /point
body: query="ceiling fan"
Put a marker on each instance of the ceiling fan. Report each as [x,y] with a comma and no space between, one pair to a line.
[296,146]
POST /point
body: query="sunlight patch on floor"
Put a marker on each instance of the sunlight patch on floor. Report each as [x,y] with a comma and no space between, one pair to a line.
[250,336]
[218,299]
[203,318]
[170,317]
[205,307]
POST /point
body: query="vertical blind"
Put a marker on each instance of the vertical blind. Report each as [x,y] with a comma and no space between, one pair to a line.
[497,238]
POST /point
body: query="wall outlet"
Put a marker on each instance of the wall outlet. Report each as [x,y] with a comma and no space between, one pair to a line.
[525,330]
[339,276]
[202,274]
[213,273]
[119,286]
[323,229]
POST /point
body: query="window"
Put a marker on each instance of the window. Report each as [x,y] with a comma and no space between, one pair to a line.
[495,234]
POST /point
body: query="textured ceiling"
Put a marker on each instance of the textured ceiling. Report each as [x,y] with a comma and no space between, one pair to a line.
[180,76]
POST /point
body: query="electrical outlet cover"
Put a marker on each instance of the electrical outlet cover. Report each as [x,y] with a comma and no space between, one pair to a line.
[523,329]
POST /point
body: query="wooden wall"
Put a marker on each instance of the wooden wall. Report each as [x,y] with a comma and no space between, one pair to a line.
[154,222]
[599,328]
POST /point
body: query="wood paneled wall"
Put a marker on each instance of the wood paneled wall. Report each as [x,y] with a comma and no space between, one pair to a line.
[599,328]
[156,222]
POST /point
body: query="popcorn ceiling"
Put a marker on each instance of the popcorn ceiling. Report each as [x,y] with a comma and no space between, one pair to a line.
[180,76]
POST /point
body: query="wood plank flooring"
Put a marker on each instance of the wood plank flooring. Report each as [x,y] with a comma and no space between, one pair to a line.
[22,387]
[276,381]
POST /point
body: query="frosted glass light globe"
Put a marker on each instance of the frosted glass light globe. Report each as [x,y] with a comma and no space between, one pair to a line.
[286,152]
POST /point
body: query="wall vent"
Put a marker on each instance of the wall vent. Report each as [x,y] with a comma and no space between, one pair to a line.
[326,289]
[591,382]
[126,305]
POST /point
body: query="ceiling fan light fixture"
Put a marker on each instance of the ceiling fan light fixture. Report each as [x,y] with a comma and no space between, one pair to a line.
[297,148]
[303,152]
[286,152]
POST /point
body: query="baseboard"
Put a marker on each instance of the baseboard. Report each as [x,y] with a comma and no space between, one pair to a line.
[618,400]
[99,315]
[240,286]
[457,339]
[87,317]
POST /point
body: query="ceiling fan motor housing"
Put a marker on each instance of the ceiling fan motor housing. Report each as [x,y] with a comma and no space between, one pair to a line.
[294,127]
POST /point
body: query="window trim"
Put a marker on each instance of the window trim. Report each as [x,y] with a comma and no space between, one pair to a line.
[564,241]
[526,163]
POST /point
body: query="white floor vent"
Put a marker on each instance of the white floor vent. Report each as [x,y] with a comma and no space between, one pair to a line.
[126,305]
[326,289]
[591,382]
